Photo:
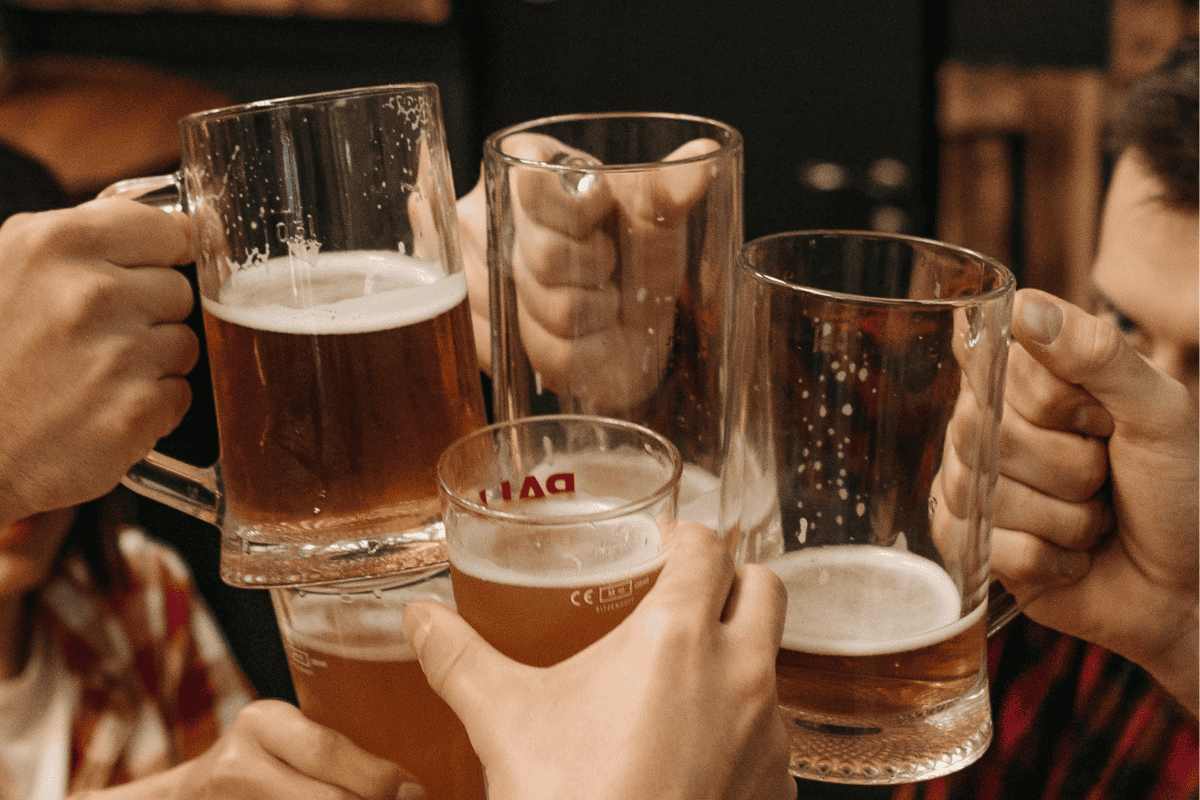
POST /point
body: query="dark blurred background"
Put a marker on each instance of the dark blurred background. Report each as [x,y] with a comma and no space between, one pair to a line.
[822,92]
[837,103]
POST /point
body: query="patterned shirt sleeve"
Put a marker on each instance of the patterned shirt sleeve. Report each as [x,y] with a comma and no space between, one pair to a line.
[159,682]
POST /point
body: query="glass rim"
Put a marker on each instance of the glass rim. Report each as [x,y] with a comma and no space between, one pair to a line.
[651,498]
[1007,285]
[730,142]
[315,98]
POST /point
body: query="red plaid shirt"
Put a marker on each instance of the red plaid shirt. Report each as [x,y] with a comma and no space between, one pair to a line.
[158,684]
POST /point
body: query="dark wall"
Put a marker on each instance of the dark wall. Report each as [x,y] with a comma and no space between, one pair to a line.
[1058,33]
[806,82]
[255,58]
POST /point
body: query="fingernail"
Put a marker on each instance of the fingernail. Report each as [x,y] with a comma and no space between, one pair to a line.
[1043,320]
[410,791]
[1085,419]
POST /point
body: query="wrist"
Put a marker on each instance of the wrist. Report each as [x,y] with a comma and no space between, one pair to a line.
[1176,666]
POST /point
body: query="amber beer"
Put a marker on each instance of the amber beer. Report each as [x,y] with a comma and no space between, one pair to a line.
[873,635]
[527,606]
[335,395]
[377,695]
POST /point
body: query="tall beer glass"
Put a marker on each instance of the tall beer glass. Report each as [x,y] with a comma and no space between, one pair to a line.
[556,527]
[851,352]
[354,672]
[611,243]
[338,331]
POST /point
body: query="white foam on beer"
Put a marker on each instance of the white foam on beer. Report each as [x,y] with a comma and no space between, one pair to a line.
[350,292]
[611,473]
[641,553]
[866,600]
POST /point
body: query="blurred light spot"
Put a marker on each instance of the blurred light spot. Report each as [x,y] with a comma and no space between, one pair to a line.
[824,176]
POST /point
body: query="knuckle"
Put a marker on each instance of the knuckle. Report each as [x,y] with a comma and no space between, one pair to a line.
[75,230]
[1088,523]
[228,767]
[1089,470]
[681,632]
[1101,344]
[1011,444]
[327,746]
[25,228]
[89,294]
[189,350]
[1016,557]
[763,575]
[958,484]
[179,293]
[965,429]
[757,690]
[260,713]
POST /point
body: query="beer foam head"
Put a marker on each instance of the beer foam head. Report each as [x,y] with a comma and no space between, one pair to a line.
[352,292]
[598,552]
[604,479]
[862,599]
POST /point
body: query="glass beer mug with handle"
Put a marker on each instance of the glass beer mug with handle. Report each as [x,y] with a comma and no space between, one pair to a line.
[860,455]
[641,215]
[339,338]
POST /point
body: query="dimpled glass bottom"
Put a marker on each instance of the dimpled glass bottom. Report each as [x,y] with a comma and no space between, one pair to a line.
[895,750]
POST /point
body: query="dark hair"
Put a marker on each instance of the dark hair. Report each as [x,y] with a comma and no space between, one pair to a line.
[1158,120]
[93,537]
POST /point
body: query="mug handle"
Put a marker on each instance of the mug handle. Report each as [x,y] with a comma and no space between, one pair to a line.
[1002,609]
[182,486]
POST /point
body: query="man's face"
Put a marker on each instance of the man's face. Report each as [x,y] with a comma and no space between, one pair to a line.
[1148,271]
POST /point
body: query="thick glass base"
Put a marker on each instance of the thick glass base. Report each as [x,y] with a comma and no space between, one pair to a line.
[247,561]
[891,751]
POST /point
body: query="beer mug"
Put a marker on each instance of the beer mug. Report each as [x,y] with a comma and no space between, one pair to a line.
[354,672]
[339,337]
[611,243]
[556,527]
[851,354]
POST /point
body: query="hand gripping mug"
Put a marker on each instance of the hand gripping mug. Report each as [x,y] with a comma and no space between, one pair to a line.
[866,385]
[338,331]
[611,244]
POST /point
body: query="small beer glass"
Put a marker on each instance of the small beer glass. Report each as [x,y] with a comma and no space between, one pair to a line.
[851,355]
[556,527]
